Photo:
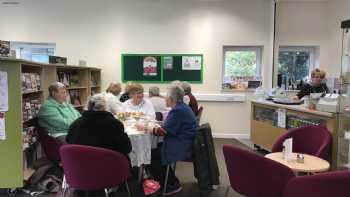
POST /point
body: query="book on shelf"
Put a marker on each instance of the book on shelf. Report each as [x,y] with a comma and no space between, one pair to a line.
[30,82]
[4,48]
[94,80]
[69,79]
[31,107]
[74,98]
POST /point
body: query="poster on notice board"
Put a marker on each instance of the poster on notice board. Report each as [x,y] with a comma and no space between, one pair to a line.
[168,62]
[191,62]
[149,66]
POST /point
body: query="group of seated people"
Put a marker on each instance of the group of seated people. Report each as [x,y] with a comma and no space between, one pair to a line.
[98,126]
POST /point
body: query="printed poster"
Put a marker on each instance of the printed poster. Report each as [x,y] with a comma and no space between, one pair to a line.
[149,66]
[3,92]
[168,63]
[191,62]
[2,126]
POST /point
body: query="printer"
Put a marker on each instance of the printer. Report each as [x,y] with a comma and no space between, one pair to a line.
[328,103]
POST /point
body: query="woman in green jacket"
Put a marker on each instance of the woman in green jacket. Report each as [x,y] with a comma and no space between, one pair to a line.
[56,115]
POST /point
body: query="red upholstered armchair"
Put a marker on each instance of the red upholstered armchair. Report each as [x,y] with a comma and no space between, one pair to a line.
[253,175]
[312,140]
[89,168]
[334,184]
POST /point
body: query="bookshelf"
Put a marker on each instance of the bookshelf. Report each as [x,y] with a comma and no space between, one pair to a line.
[28,84]
[94,81]
[76,80]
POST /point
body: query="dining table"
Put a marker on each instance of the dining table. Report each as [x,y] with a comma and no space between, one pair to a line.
[142,142]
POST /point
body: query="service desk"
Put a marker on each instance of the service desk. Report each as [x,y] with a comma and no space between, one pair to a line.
[269,120]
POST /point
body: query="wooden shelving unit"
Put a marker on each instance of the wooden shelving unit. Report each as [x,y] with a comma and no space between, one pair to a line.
[94,81]
[32,92]
[28,81]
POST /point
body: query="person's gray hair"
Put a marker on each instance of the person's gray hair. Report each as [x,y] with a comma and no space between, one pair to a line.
[97,102]
[153,91]
[54,87]
[186,86]
[176,82]
[175,93]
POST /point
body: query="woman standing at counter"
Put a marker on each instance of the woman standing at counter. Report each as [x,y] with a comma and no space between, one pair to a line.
[317,84]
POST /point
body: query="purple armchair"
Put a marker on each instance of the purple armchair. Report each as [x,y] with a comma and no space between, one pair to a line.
[90,168]
[51,146]
[312,140]
[253,175]
[334,184]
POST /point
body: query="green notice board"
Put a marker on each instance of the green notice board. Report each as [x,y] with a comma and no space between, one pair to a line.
[162,68]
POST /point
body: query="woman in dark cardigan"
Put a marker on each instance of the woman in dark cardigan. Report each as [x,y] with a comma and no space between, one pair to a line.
[97,127]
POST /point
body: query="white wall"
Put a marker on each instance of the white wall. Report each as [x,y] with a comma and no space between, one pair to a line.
[314,23]
[99,31]
[303,24]
[339,10]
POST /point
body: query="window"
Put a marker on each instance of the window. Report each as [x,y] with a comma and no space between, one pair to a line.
[295,64]
[38,52]
[241,64]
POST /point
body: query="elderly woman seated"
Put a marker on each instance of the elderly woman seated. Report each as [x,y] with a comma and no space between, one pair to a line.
[112,98]
[179,130]
[137,103]
[56,115]
[98,127]
[192,100]
[157,100]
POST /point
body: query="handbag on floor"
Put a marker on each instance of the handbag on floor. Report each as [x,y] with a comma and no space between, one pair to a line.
[151,187]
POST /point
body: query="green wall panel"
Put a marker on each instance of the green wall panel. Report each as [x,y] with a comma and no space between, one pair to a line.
[11,159]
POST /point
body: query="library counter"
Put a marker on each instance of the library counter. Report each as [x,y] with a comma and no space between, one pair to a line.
[269,120]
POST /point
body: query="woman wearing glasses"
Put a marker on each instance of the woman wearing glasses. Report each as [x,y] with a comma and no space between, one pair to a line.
[137,104]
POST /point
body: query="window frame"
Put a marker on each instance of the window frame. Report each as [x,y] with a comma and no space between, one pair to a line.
[259,55]
[29,46]
[313,60]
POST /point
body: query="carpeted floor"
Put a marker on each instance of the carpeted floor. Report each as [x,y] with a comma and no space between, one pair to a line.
[184,171]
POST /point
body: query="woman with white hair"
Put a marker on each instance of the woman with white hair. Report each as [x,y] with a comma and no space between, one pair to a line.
[98,127]
[56,115]
[157,100]
[178,129]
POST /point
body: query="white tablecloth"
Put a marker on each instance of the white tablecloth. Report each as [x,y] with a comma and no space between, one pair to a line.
[141,149]
[141,144]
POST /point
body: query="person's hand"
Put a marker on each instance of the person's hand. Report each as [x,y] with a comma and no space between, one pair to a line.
[295,98]
[149,129]
[140,127]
